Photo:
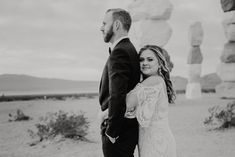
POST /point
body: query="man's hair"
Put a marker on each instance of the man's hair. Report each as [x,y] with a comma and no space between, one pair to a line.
[123,16]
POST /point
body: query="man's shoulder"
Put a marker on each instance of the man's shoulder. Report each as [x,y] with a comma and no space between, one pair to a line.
[123,43]
[126,45]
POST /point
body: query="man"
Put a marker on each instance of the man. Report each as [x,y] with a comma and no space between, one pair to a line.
[121,73]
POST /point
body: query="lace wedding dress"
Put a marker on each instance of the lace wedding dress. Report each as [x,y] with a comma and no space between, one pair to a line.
[155,137]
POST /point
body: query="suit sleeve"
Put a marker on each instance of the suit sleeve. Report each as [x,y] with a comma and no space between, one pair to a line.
[118,71]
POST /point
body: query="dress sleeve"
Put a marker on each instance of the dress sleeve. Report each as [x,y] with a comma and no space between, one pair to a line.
[147,101]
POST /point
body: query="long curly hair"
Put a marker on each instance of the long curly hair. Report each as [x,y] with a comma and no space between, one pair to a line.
[163,70]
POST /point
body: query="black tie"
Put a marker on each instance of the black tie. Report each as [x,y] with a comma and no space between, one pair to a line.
[110,50]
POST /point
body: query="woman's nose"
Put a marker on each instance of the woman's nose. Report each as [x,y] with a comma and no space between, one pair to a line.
[144,63]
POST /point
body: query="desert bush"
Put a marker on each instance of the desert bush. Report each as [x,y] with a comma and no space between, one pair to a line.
[221,116]
[74,126]
[19,116]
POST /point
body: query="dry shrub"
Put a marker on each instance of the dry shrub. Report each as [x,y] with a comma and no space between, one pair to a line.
[74,126]
[221,117]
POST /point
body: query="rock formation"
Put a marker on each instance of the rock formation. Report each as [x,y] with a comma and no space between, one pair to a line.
[150,22]
[193,89]
[226,69]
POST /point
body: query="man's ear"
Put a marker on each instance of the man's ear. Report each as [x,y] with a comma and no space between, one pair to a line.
[117,24]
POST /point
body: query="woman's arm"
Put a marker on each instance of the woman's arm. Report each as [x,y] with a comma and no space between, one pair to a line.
[131,98]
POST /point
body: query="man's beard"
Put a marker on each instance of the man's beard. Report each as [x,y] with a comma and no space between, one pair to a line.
[108,35]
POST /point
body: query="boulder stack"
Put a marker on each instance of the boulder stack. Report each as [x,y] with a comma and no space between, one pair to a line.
[193,89]
[226,69]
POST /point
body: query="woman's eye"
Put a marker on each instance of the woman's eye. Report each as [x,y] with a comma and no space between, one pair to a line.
[150,59]
[141,59]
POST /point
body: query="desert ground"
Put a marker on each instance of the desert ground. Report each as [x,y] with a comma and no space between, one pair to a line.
[186,118]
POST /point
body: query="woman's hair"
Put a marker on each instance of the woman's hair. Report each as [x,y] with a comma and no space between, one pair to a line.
[163,70]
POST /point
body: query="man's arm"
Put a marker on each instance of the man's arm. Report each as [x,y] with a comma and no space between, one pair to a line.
[119,70]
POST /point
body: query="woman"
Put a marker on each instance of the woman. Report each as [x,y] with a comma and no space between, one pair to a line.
[148,102]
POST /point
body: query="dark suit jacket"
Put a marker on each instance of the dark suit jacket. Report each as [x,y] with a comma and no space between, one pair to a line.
[120,75]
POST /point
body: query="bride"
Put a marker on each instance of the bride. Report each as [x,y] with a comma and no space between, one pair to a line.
[149,101]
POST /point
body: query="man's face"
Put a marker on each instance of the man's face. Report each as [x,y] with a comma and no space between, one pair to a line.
[107,27]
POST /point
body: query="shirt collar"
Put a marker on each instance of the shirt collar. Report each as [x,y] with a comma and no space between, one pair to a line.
[117,41]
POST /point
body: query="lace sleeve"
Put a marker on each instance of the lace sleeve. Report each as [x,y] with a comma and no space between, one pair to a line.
[131,101]
[147,101]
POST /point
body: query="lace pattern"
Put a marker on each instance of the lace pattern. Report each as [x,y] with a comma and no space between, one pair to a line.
[146,104]
[155,137]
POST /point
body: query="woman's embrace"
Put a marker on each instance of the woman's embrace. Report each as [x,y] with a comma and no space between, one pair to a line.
[149,101]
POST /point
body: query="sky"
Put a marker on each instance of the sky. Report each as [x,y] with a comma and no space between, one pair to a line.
[62,38]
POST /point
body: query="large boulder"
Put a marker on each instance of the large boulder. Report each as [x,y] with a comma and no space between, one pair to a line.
[193,91]
[226,71]
[155,32]
[135,34]
[150,9]
[226,90]
[228,55]
[227,5]
[117,4]
[137,10]
[195,34]
[194,73]
[229,31]
[229,25]
[195,55]
[229,17]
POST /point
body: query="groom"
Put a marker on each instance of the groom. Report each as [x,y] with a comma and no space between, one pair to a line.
[121,73]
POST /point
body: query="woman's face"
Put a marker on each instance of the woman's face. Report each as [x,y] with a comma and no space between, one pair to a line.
[148,63]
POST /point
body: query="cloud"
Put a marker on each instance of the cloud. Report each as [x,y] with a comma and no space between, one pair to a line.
[50,26]
[55,38]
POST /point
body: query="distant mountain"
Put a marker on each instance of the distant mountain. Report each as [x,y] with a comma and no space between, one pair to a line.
[13,84]
[24,84]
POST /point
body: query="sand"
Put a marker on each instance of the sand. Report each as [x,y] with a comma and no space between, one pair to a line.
[186,118]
